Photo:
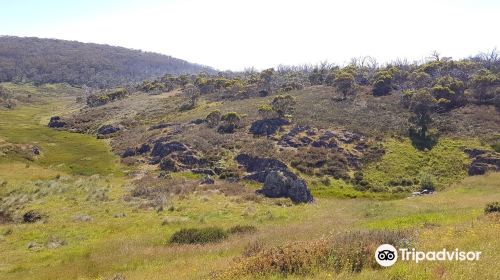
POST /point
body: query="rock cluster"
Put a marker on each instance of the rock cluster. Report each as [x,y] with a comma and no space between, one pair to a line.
[278,180]
[267,127]
[56,122]
[280,184]
[483,161]
[175,156]
[108,129]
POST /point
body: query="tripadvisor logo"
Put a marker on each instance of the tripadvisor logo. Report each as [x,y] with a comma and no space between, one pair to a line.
[387,255]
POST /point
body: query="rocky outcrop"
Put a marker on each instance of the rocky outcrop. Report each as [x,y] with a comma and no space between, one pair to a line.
[107,129]
[258,168]
[483,161]
[56,122]
[32,217]
[176,156]
[279,184]
[267,127]
[129,152]
[162,149]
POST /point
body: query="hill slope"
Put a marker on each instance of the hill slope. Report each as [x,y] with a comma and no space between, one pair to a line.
[57,61]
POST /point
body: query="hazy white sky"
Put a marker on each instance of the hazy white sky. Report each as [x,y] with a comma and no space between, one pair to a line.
[235,34]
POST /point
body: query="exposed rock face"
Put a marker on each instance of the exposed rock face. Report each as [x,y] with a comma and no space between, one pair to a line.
[280,184]
[32,217]
[56,122]
[175,156]
[168,164]
[161,149]
[260,167]
[207,180]
[144,148]
[483,161]
[129,152]
[107,129]
[267,127]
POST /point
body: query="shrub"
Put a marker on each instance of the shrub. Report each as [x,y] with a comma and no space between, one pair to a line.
[382,84]
[230,121]
[198,235]
[283,105]
[351,252]
[427,182]
[242,229]
[493,207]
[213,119]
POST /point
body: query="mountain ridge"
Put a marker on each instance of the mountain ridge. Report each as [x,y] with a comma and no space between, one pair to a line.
[47,60]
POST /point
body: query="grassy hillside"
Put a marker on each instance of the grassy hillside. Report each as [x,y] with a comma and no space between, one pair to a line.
[106,217]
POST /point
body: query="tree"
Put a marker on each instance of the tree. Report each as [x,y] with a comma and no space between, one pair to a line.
[192,93]
[382,84]
[266,111]
[448,92]
[344,82]
[213,119]
[421,106]
[267,77]
[230,121]
[283,105]
[485,86]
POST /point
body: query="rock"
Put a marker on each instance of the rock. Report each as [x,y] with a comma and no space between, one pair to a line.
[161,149]
[483,161]
[56,122]
[107,129]
[312,131]
[206,171]
[160,125]
[267,127]
[82,218]
[32,217]
[290,141]
[305,140]
[129,152]
[168,164]
[349,137]
[120,215]
[260,167]
[207,180]
[35,150]
[327,135]
[188,158]
[197,121]
[35,246]
[55,243]
[144,148]
[474,152]
[298,129]
[279,184]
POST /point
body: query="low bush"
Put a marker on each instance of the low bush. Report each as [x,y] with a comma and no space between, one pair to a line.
[242,229]
[493,207]
[349,252]
[198,235]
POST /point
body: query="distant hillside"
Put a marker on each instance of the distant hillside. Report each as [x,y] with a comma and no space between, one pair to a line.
[55,61]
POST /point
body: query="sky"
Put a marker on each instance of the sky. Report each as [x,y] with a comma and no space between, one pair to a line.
[238,34]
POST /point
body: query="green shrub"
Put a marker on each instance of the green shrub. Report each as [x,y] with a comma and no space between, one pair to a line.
[241,229]
[427,182]
[198,235]
[492,207]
